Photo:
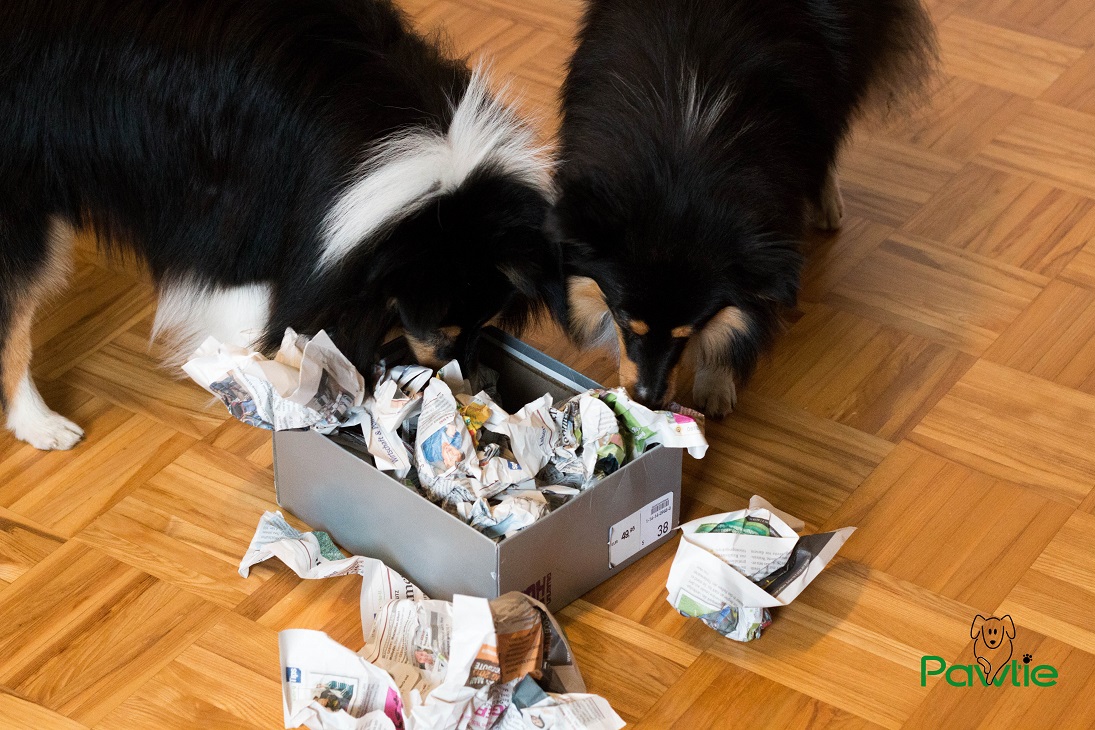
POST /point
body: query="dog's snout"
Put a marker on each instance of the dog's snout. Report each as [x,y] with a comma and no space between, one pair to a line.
[650,397]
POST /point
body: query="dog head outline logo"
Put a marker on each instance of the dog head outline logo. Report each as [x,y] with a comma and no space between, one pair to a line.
[992,643]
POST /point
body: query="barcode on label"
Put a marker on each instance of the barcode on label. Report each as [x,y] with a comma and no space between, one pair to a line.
[664,506]
[645,526]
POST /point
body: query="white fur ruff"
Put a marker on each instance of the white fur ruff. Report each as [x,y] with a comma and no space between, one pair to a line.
[407,171]
[188,312]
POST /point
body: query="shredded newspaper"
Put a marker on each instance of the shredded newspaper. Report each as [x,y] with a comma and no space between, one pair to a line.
[471,664]
[498,471]
[731,568]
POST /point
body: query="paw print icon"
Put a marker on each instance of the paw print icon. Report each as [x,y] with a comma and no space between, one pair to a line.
[1026,658]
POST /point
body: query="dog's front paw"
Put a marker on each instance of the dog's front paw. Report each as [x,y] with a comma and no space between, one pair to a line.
[715,393]
[45,430]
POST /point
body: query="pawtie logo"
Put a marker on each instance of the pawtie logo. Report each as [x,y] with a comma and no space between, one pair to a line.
[993,648]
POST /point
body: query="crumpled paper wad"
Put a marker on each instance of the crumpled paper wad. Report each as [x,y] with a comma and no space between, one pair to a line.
[731,568]
[471,664]
[308,384]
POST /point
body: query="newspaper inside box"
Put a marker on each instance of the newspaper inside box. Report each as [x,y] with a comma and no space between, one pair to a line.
[557,559]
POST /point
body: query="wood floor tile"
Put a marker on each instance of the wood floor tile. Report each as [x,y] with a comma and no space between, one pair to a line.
[702,695]
[878,380]
[854,641]
[244,642]
[1069,21]
[959,117]
[192,681]
[1048,142]
[177,552]
[887,182]
[127,373]
[1050,595]
[66,492]
[604,642]
[1008,218]
[332,605]
[1054,339]
[1015,62]
[829,257]
[248,442]
[23,544]
[960,300]
[1081,269]
[1075,88]
[639,596]
[943,526]
[160,706]
[123,623]
[99,305]
[805,464]
[1016,427]
[21,714]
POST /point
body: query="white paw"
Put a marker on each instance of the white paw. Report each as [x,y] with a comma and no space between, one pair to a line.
[715,393]
[45,430]
[830,212]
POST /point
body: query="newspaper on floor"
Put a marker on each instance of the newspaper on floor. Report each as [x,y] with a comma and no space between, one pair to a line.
[426,665]
[314,555]
[730,569]
[308,384]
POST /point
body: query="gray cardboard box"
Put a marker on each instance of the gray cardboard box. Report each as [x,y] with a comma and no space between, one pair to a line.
[557,559]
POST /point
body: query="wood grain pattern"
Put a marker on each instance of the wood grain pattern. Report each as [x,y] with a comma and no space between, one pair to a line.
[936,389]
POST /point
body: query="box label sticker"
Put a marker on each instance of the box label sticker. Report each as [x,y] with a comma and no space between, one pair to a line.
[641,528]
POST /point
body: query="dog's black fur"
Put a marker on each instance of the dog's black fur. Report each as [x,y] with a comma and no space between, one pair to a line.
[697,137]
[210,138]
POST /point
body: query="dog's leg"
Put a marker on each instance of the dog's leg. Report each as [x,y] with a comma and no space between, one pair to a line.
[829,211]
[713,390]
[41,271]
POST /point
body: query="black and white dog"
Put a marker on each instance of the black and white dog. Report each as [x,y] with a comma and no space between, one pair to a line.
[303,163]
[699,140]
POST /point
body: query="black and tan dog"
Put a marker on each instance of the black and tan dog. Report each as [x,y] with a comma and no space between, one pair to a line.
[699,140]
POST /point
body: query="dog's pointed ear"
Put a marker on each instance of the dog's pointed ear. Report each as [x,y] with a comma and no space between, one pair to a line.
[1009,626]
[978,624]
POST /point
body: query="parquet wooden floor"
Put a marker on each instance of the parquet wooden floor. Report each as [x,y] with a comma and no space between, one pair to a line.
[936,388]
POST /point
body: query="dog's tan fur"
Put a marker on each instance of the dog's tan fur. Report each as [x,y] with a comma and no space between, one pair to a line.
[589,315]
[15,350]
[719,333]
[638,327]
[714,389]
[426,351]
[683,332]
[629,371]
